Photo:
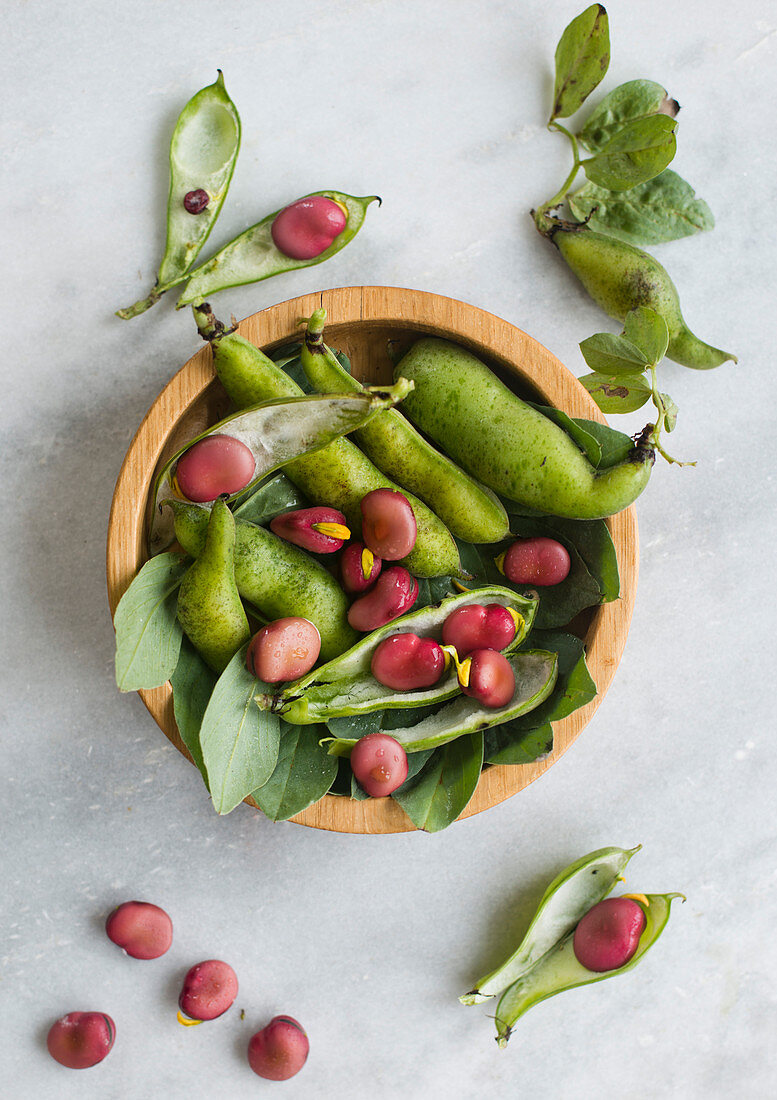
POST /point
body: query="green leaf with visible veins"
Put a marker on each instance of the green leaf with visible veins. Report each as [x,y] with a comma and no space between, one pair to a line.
[617,395]
[648,331]
[582,59]
[612,355]
[664,208]
[239,741]
[634,100]
[444,786]
[148,634]
[192,682]
[638,152]
[303,774]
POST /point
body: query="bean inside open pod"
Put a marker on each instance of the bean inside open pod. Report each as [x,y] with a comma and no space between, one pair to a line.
[274,432]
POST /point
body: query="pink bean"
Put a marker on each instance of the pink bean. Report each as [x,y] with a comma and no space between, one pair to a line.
[405,661]
[540,561]
[143,930]
[196,201]
[379,764]
[388,524]
[479,627]
[81,1039]
[321,530]
[489,678]
[608,935]
[216,465]
[283,650]
[394,593]
[359,568]
[307,227]
[209,989]
[280,1050]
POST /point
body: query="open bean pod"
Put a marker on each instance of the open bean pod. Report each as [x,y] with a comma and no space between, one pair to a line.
[346,685]
[253,255]
[535,671]
[568,898]
[203,153]
[275,432]
[559,969]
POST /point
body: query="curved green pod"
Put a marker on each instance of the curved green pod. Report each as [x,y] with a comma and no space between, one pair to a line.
[469,510]
[209,606]
[536,672]
[569,897]
[253,256]
[619,277]
[347,686]
[275,432]
[340,474]
[276,577]
[559,970]
[203,153]
[508,445]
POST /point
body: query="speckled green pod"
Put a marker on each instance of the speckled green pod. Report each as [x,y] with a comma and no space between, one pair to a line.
[340,474]
[620,277]
[469,510]
[276,577]
[508,445]
[209,606]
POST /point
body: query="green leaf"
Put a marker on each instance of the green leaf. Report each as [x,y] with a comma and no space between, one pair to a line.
[612,355]
[616,446]
[303,774]
[574,686]
[638,152]
[664,208]
[670,412]
[148,634]
[433,589]
[634,100]
[192,682]
[239,740]
[582,58]
[444,786]
[269,499]
[575,429]
[505,745]
[622,395]
[648,331]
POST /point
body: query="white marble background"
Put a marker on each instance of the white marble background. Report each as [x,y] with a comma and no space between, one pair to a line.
[439,107]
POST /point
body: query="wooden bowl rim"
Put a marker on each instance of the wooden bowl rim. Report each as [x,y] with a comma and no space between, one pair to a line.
[518,354]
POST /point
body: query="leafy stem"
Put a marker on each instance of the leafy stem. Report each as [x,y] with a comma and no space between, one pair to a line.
[540,215]
[661,419]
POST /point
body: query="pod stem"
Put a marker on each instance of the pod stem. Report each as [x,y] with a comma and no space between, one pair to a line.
[208,326]
[142,305]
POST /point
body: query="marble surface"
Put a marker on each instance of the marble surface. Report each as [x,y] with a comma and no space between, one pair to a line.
[440,108]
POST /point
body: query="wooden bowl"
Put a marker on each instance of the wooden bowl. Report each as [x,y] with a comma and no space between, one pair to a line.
[360,322]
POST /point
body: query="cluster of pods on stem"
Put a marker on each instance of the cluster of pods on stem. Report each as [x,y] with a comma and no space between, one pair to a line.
[79,1040]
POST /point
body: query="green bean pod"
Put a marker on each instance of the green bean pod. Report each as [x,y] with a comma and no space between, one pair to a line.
[619,277]
[569,897]
[253,256]
[209,606]
[508,445]
[469,510]
[536,672]
[276,577]
[340,474]
[559,970]
[347,686]
[203,153]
